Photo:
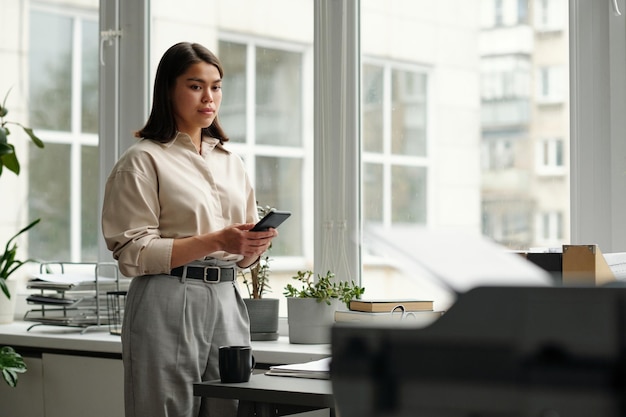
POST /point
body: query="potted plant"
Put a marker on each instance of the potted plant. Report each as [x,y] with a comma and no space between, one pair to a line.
[263,312]
[11,362]
[311,308]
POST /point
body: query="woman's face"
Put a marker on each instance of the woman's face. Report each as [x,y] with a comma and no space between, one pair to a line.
[196,98]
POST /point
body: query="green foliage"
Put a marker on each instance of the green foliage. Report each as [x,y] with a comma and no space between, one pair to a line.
[8,157]
[8,263]
[11,364]
[324,288]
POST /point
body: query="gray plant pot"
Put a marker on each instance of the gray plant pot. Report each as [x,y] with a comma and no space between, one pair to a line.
[310,322]
[263,313]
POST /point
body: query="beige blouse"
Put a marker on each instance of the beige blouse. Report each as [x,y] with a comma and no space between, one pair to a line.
[159,192]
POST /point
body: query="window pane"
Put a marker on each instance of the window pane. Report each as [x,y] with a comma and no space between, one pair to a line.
[372,108]
[372,183]
[408,188]
[278,90]
[408,120]
[89,78]
[49,200]
[279,184]
[90,203]
[233,109]
[50,66]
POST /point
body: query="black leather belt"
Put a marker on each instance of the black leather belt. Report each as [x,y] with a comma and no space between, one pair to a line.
[212,274]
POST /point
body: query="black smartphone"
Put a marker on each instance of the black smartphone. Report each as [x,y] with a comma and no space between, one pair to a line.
[272,219]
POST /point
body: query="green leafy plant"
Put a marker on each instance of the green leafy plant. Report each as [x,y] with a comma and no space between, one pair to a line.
[8,157]
[8,263]
[11,362]
[257,281]
[324,288]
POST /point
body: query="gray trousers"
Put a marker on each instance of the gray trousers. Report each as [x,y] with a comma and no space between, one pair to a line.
[171,334]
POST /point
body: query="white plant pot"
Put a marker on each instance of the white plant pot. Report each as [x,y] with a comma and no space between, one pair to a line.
[310,322]
[7,306]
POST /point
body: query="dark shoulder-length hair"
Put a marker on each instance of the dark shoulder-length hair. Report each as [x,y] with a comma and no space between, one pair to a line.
[161,125]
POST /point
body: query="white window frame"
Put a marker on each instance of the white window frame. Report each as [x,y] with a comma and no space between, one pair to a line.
[597,124]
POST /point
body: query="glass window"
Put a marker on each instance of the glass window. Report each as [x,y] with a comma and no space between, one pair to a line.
[491,91]
[550,15]
[63,106]
[394,143]
[550,157]
[271,142]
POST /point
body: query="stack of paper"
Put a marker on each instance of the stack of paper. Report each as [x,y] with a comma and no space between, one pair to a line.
[319,369]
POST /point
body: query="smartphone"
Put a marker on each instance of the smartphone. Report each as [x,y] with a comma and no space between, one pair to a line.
[272,219]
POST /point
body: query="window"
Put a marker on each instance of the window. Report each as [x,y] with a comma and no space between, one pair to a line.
[394,144]
[498,12]
[63,106]
[522,11]
[550,84]
[550,157]
[270,139]
[550,228]
[550,15]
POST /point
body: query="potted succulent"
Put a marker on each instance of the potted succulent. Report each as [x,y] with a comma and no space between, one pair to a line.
[263,312]
[311,308]
[11,362]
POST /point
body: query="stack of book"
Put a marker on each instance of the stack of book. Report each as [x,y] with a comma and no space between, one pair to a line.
[406,311]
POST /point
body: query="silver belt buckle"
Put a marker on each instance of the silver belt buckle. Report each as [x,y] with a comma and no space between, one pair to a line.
[205,278]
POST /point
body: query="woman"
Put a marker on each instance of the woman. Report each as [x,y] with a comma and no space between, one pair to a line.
[177,211]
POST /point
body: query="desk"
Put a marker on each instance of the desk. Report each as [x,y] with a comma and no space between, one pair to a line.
[272,395]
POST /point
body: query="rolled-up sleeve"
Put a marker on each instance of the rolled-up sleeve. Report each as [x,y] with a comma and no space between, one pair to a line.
[130,223]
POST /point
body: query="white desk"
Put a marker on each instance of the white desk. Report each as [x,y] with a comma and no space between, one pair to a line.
[266,396]
[99,342]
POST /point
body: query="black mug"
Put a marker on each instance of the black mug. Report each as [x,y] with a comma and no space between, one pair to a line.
[236,363]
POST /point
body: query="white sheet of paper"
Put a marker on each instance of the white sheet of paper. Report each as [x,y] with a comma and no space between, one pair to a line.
[321,365]
[617,263]
[70,278]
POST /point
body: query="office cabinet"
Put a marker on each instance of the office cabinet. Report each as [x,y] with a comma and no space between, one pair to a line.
[26,399]
[79,386]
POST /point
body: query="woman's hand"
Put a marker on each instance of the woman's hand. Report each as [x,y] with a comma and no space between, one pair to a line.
[235,239]
[240,240]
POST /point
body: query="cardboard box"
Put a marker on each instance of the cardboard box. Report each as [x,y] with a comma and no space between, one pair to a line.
[585,265]
[576,265]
